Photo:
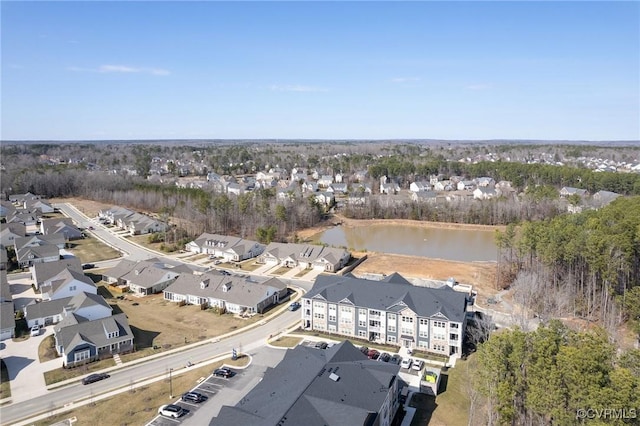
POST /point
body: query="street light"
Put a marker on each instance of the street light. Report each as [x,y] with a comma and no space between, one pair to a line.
[170,384]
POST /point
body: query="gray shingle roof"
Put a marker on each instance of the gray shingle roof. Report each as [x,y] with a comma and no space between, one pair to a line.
[7,316]
[65,276]
[299,390]
[45,309]
[5,288]
[94,332]
[240,291]
[390,294]
[47,270]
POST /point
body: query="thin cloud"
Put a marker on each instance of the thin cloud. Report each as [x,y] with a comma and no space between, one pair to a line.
[405,79]
[121,69]
[478,87]
[296,88]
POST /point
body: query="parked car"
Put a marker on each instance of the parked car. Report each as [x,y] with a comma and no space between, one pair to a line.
[35,330]
[322,345]
[171,410]
[223,372]
[193,397]
[418,364]
[406,363]
[373,354]
[395,359]
[384,357]
[293,306]
[364,350]
[88,266]
[92,378]
[91,228]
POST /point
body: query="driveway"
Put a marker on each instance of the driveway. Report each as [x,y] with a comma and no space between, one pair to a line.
[26,372]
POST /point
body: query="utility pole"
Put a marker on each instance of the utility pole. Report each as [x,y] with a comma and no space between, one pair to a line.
[170,385]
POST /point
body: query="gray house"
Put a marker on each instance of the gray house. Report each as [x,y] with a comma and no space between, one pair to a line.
[305,255]
[144,277]
[224,246]
[80,341]
[7,314]
[312,387]
[391,311]
[233,294]
[42,272]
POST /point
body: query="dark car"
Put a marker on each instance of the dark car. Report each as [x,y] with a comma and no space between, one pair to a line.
[88,266]
[395,359]
[322,345]
[384,357]
[294,306]
[193,397]
[91,378]
[223,372]
[373,354]
[364,350]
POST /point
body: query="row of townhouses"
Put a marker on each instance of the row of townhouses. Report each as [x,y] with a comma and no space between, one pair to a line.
[135,223]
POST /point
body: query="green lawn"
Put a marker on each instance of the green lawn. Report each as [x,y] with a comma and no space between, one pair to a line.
[286,341]
[453,400]
[61,374]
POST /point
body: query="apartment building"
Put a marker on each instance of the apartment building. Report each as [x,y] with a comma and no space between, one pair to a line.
[391,311]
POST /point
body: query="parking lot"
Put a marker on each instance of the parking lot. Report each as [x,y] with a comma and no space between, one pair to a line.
[210,387]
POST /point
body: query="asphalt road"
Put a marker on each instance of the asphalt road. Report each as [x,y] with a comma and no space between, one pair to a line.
[246,342]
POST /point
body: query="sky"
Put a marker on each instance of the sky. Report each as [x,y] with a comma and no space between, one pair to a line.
[320,70]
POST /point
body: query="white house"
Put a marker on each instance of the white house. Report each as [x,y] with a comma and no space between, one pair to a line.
[67,283]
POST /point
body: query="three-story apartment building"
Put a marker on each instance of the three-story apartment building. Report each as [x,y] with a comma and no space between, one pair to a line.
[391,311]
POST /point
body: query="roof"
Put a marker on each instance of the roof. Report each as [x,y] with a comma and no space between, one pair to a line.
[45,309]
[16,228]
[5,287]
[47,270]
[304,252]
[147,274]
[66,276]
[300,390]
[122,268]
[394,293]
[224,243]
[39,252]
[240,291]
[84,300]
[53,239]
[7,315]
[93,332]
[62,226]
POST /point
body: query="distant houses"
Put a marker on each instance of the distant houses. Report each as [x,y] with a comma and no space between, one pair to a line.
[225,247]
[135,223]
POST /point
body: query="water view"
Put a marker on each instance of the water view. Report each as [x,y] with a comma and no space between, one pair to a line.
[448,244]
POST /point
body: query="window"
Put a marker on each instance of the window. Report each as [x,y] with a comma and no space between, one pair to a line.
[391,317]
[454,325]
[424,332]
[319,305]
[332,328]
[362,313]
[373,323]
[81,355]
[346,310]
[407,319]
[423,345]
[406,330]
[439,348]
[333,313]
[72,288]
[391,339]
[362,333]
[453,337]
[362,323]
[440,324]
[332,318]
[374,313]
[424,321]
[391,328]
[318,315]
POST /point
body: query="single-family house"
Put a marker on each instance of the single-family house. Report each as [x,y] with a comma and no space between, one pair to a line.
[305,255]
[484,193]
[338,188]
[325,180]
[20,198]
[230,293]
[361,189]
[9,232]
[67,283]
[309,186]
[466,185]
[391,311]
[444,185]
[40,204]
[42,272]
[87,305]
[79,341]
[335,386]
[568,191]
[229,248]
[360,175]
[114,275]
[424,196]
[27,218]
[62,226]
[149,278]
[419,186]
[7,314]
[325,198]
[6,209]
[485,181]
[603,198]
[389,188]
[30,255]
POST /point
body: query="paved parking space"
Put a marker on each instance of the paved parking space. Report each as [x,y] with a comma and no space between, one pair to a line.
[210,387]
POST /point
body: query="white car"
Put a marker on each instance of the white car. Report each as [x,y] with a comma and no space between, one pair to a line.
[171,410]
[406,363]
[418,364]
[35,331]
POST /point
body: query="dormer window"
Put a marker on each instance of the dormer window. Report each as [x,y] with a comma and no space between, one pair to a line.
[204,284]
[226,287]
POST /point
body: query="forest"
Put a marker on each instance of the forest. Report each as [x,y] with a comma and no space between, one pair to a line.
[554,376]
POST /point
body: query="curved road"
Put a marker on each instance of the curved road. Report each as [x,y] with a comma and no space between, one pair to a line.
[246,341]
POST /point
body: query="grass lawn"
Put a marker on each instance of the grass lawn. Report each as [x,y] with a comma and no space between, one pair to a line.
[280,271]
[160,325]
[143,240]
[90,249]
[287,341]
[137,406]
[5,385]
[47,350]
[452,402]
[61,374]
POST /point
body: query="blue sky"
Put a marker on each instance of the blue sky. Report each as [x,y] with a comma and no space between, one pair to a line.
[320,70]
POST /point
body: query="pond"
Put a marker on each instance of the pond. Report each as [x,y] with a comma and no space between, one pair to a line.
[449,244]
